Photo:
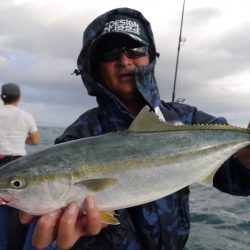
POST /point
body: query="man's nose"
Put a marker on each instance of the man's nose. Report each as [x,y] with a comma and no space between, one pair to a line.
[124,59]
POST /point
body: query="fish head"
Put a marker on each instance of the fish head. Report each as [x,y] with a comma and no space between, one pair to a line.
[21,192]
[31,190]
[10,188]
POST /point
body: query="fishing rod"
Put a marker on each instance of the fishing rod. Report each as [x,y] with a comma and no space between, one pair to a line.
[181,41]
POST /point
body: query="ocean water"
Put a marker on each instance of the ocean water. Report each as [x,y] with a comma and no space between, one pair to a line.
[48,136]
[218,221]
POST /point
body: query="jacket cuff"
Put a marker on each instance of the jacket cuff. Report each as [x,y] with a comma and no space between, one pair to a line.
[233,178]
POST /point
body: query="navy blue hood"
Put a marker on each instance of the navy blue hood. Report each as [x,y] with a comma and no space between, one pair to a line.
[145,79]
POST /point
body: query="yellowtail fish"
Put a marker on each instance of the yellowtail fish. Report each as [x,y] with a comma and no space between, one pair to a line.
[122,169]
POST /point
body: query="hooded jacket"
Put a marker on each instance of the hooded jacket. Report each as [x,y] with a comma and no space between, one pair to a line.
[165,223]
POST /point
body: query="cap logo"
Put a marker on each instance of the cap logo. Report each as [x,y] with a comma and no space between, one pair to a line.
[122,25]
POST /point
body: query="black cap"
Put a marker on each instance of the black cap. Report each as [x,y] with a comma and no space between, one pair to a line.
[126,25]
[122,26]
[10,90]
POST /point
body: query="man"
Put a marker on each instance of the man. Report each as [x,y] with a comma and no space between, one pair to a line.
[17,128]
[117,66]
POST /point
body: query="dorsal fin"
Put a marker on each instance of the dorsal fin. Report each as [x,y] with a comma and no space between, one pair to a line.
[148,121]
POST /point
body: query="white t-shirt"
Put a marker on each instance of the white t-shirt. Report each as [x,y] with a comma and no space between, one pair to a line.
[15,126]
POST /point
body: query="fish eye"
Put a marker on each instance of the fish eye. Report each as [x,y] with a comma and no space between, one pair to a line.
[17,182]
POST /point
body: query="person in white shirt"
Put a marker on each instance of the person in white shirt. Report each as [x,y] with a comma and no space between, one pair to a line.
[17,128]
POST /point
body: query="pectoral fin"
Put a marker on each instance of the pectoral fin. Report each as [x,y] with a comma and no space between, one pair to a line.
[97,185]
[108,218]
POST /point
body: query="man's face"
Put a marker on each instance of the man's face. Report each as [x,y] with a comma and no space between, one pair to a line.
[117,68]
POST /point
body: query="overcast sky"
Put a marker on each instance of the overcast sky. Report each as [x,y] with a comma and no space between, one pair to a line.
[40,41]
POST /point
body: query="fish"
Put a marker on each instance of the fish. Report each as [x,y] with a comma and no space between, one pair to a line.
[151,160]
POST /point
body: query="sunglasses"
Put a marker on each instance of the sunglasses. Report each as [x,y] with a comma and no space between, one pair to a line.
[132,53]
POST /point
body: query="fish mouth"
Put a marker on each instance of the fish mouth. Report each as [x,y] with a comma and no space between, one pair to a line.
[4,200]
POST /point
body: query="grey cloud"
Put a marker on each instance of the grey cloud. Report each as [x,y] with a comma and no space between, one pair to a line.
[40,53]
[198,17]
[236,42]
[203,64]
[31,31]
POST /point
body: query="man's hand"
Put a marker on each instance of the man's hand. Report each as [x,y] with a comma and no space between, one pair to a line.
[65,226]
[243,155]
